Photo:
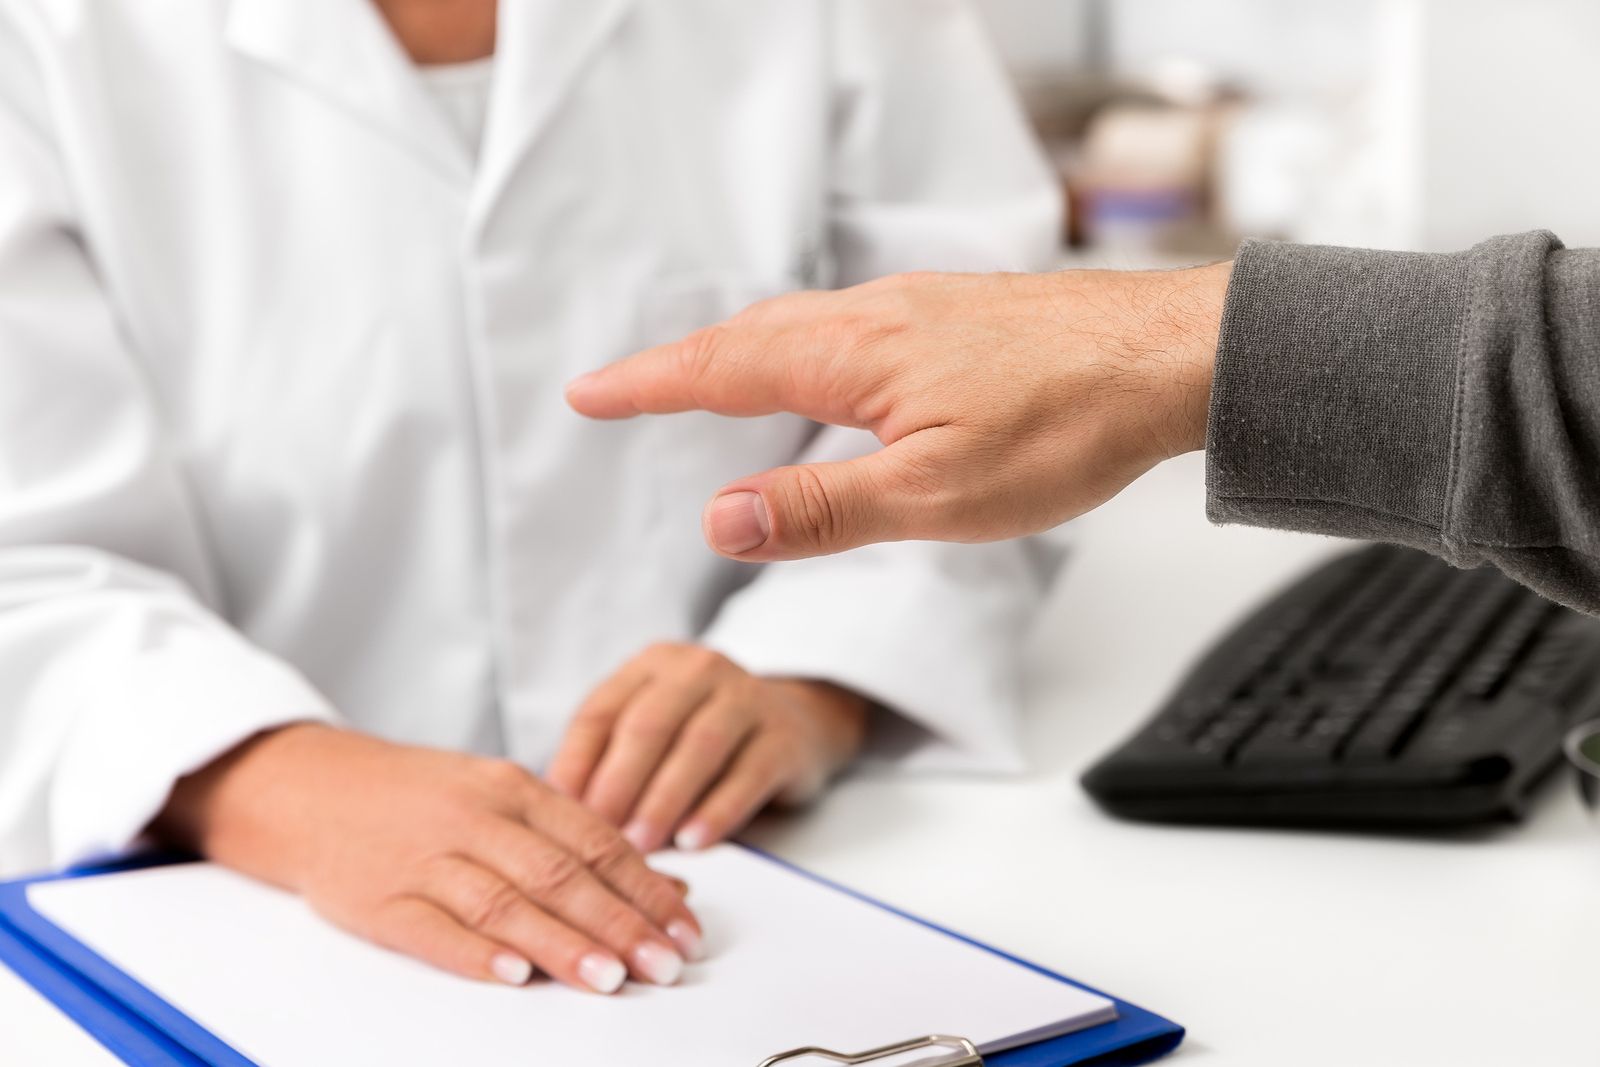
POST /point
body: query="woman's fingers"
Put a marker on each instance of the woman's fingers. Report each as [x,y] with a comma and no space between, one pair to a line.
[757,775]
[703,749]
[476,924]
[659,898]
[559,883]
[591,730]
[643,733]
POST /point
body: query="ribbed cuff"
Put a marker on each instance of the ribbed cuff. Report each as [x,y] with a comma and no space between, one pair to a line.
[1332,409]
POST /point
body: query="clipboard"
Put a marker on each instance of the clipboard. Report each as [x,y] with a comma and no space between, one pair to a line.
[139,1027]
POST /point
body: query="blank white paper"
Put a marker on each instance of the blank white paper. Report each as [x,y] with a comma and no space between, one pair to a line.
[790,963]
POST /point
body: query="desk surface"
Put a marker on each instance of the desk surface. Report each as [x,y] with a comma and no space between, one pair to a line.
[1272,947]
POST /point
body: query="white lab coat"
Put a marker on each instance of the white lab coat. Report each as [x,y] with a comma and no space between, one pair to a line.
[281,423]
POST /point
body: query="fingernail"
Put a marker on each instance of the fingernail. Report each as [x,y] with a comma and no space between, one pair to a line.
[602,973]
[692,838]
[638,835]
[658,963]
[512,970]
[737,522]
[687,938]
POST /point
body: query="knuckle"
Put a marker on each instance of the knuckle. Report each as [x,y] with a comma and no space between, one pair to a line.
[700,660]
[606,851]
[491,909]
[763,310]
[697,353]
[813,508]
[552,874]
[433,868]
[503,774]
[663,650]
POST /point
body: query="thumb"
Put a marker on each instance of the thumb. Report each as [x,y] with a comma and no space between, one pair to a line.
[814,510]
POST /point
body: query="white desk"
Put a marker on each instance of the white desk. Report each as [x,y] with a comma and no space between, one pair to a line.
[1273,948]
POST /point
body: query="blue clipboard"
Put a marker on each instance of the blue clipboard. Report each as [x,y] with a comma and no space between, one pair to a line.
[144,1030]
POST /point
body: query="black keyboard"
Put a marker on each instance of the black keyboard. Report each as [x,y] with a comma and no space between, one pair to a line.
[1385,688]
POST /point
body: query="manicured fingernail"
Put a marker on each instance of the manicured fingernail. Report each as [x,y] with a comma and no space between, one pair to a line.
[692,838]
[687,938]
[638,835]
[512,970]
[602,973]
[658,963]
[737,522]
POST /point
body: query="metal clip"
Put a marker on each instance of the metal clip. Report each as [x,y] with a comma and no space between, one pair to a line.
[965,1051]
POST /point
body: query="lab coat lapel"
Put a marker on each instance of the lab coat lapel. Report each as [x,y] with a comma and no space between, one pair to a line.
[543,47]
[343,51]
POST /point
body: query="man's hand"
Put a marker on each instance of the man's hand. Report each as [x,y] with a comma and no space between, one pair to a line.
[684,745]
[470,864]
[1007,403]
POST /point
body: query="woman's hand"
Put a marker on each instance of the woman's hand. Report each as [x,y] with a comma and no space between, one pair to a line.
[1006,403]
[473,865]
[684,745]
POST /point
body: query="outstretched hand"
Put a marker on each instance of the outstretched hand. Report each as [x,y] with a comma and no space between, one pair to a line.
[1007,403]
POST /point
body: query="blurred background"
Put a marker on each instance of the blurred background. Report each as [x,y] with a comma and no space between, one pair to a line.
[1179,126]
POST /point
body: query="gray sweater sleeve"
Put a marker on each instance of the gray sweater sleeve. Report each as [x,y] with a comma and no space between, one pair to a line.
[1450,402]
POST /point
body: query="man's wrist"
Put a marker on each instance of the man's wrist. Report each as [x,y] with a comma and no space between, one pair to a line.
[1193,316]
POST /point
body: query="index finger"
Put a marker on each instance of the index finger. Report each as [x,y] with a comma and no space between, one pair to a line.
[785,355]
[590,730]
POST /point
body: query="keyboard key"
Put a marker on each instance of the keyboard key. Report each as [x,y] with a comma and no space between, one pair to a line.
[1495,662]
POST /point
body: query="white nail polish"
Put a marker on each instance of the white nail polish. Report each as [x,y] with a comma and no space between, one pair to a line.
[691,838]
[658,963]
[687,938]
[512,970]
[637,835]
[602,973]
